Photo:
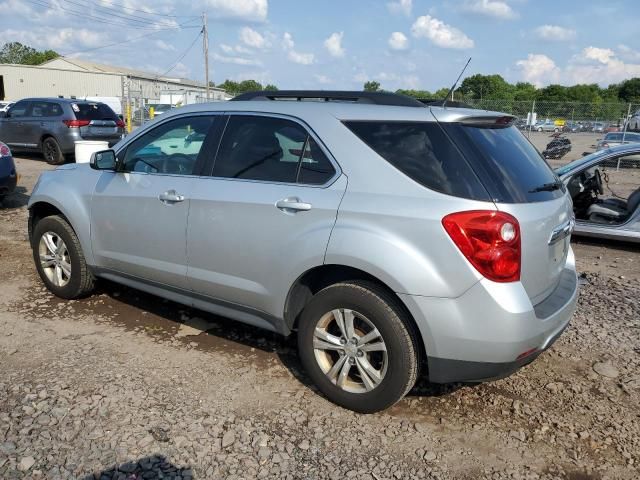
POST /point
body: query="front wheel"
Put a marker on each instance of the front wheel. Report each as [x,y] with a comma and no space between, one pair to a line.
[358,346]
[59,258]
[52,151]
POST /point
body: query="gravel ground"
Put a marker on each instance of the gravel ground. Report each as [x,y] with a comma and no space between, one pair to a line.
[124,385]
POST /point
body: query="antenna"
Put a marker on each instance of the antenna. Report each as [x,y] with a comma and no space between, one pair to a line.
[453,87]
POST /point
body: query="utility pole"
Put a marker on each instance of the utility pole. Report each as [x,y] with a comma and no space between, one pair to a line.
[205,46]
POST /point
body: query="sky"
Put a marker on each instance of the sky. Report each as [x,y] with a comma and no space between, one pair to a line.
[332,44]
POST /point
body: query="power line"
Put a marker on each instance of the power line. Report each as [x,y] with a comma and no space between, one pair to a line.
[183,26]
[43,3]
[131,18]
[121,5]
[184,54]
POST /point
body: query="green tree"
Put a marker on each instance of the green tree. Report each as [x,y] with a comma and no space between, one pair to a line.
[236,88]
[424,94]
[480,87]
[629,90]
[372,86]
[16,52]
[525,91]
[271,88]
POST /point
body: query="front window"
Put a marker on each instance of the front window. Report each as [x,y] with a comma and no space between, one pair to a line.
[171,148]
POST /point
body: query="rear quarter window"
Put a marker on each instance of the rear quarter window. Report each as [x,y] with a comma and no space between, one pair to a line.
[424,153]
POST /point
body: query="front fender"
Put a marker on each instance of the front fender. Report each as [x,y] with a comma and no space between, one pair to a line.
[69,190]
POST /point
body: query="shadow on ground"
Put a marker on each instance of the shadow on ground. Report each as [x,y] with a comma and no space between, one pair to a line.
[17,199]
[155,466]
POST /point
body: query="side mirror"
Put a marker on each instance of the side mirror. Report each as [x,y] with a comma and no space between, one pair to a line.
[103,160]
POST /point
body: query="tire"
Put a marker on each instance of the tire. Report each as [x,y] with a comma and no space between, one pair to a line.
[373,308]
[539,129]
[76,279]
[52,152]
[556,130]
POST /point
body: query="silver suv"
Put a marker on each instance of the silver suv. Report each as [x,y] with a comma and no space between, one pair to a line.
[388,234]
[53,125]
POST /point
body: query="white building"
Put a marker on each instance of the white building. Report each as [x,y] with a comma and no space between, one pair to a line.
[70,77]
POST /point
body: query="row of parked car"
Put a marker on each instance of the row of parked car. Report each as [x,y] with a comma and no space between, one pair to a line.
[569,126]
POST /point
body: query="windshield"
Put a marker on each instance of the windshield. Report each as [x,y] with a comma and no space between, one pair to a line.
[578,163]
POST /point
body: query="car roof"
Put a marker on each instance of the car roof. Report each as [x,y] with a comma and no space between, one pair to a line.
[341,110]
[56,99]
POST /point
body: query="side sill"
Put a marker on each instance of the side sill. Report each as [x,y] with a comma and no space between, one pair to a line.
[240,313]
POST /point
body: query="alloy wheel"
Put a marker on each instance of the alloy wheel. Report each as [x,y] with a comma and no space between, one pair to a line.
[54,259]
[350,350]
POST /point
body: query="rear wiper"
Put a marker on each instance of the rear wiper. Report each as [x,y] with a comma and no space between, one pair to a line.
[547,187]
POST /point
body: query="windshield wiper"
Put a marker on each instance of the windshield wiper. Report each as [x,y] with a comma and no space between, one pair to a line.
[547,187]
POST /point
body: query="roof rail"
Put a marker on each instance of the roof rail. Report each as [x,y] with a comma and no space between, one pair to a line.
[372,98]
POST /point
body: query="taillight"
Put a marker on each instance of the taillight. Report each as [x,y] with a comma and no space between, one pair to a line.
[76,123]
[4,150]
[605,145]
[119,124]
[490,240]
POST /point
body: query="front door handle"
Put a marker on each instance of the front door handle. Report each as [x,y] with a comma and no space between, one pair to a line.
[170,196]
[292,205]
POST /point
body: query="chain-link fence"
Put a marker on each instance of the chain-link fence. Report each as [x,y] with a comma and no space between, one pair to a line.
[574,117]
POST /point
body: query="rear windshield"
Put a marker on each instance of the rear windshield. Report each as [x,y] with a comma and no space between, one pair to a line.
[93,111]
[423,152]
[506,162]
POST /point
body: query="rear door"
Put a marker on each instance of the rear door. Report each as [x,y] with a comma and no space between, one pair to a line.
[522,183]
[42,119]
[265,213]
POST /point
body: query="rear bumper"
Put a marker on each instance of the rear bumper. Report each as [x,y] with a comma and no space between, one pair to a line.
[492,329]
[8,179]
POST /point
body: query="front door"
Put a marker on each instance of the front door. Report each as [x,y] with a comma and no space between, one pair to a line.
[13,128]
[139,214]
[264,216]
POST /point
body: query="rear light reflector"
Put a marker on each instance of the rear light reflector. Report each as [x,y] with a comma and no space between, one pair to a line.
[490,240]
[4,150]
[527,353]
[120,124]
[76,123]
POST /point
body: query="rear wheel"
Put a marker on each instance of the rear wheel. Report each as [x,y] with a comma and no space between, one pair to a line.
[52,152]
[358,346]
[59,259]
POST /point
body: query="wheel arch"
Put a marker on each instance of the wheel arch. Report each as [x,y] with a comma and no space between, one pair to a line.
[321,276]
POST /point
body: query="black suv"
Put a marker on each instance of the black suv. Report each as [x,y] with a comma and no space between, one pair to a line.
[53,125]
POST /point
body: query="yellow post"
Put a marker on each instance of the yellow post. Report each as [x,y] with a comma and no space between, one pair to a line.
[128,117]
[152,113]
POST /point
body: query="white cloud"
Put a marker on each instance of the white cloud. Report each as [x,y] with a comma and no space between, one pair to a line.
[162,45]
[440,33]
[361,77]
[287,41]
[64,39]
[400,6]
[538,69]
[333,44]
[595,54]
[248,10]
[232,50]
[490,8]
[235,60]
[323,79]
[398,41]
[296,57]
[628,53]
[253,39]
[301,58]
[554,33]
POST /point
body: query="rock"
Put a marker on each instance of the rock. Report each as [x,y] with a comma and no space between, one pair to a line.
[518,434]
[228,439]
[606,369]
[26,463]
[304,444]
[430,456]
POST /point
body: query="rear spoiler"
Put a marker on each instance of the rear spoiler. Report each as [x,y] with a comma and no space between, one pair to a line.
[502,121]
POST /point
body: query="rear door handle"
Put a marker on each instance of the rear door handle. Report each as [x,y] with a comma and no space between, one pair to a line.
[170,196]
[292,205]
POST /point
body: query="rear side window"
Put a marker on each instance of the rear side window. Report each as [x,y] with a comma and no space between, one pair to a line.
[270,149]
[93,111]
[508,165]
[423,152]
[45,109]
